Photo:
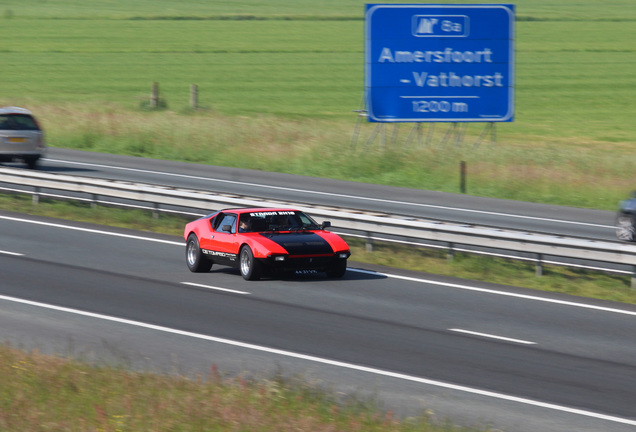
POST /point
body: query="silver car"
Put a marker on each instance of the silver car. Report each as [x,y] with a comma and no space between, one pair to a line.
[21,137]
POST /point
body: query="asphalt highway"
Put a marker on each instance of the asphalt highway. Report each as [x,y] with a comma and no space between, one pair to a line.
[477,353]
[449,207]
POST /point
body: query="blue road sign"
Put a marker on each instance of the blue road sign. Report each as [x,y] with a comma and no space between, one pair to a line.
[443,63]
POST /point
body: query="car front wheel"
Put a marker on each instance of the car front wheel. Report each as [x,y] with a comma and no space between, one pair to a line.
[195,259]
[625,228]
[250,267]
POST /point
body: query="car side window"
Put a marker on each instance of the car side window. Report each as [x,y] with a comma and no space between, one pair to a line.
[216,223]
[226,219]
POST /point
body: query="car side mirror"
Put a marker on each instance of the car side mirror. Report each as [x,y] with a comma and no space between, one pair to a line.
[226,228]
[326,224]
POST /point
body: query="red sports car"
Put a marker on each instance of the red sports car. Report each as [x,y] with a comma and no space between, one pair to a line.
[264,239]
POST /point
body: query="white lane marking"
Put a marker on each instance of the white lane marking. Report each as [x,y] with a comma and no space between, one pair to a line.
[92,231]
[321,360]
[502,293]
[214,288]
[486,335]
[11,253]
[288,189]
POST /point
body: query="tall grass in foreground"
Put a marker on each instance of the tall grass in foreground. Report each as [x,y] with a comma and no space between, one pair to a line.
[44,393]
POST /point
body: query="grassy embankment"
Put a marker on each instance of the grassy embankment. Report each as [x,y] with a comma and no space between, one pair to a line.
[44,393]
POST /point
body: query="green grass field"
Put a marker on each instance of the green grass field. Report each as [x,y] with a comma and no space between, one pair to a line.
[278,82]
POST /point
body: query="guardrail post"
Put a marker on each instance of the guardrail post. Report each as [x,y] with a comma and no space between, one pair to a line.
[36,196]
[93,201]
[451,251]
[539,268]
[633,277]
[155,212]
[369,242]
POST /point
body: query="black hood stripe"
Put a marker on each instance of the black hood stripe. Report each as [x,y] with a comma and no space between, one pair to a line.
[302,243]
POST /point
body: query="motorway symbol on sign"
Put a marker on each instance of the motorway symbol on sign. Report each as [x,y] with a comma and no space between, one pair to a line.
[445,63]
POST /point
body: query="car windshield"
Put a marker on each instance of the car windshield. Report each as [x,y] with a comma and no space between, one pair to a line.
[278,220]
[17,122]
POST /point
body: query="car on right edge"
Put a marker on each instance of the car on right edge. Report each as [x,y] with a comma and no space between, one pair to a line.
[626,219]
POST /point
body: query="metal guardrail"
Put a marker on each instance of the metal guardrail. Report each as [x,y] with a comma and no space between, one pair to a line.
[369,223]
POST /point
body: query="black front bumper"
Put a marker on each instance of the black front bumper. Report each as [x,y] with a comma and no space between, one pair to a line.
[291,264]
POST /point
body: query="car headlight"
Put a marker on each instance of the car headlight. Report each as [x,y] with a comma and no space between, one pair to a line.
[279,258]
[343,255]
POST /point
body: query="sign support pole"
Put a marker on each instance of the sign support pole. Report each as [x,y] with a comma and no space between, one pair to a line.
[490,127]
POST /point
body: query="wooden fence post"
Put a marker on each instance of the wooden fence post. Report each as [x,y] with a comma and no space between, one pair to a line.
[194,96]
[154,96]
